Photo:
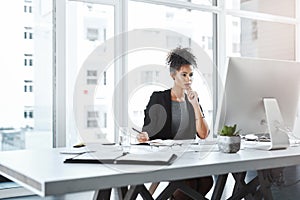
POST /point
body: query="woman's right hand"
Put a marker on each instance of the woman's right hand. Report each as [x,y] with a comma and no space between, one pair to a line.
[142,137]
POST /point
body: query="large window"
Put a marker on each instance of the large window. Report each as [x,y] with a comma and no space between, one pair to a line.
[248,28]
[26,75]
[89,25]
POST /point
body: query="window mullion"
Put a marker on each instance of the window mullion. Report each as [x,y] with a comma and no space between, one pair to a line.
[121,46]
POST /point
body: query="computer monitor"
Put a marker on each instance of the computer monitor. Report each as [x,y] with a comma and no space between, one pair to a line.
[257,88]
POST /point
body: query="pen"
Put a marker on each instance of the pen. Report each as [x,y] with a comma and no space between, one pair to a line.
[136,130]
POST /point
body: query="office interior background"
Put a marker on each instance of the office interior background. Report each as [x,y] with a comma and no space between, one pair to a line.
[44,44]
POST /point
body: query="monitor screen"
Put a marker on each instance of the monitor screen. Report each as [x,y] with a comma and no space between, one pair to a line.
[250,80]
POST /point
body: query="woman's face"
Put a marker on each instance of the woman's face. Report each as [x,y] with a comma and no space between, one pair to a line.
[183,77]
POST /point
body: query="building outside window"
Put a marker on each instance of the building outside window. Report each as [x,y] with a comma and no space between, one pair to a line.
[27,93]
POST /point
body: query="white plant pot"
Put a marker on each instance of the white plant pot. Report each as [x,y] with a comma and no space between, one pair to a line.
[229,144]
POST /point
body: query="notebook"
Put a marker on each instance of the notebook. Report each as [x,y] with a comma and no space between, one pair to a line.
[151,158]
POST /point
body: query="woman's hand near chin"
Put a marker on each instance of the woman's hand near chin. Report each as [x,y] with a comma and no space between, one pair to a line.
[192,96]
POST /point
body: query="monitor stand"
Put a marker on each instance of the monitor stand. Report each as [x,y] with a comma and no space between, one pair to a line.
[278,136]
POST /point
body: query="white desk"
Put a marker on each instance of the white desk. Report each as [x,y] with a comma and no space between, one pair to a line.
[44,172]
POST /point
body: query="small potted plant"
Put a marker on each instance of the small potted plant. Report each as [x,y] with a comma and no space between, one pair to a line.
[229,140]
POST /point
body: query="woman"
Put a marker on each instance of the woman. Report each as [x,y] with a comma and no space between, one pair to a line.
[176,113]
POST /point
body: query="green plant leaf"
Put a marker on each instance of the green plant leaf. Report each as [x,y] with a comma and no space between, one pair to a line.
[229,130]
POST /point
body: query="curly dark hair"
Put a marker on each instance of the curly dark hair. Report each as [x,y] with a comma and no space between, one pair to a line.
[180,56]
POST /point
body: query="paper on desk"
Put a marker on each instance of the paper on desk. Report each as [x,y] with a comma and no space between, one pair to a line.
[159,142]
[151,158]
[90,147]
[74,151]
[101,155]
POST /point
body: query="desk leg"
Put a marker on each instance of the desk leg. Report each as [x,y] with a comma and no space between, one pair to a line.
[240,183]
[257,188]
[219,187]
[105,194]
[122,192]
[241,189]
[265,184]
[138,189]
[174,185]
[167,192]
[102,194]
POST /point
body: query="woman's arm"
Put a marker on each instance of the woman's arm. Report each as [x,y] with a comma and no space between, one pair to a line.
[156,116]
[201,124]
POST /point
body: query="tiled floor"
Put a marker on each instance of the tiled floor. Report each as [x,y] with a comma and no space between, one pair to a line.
[288,191]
